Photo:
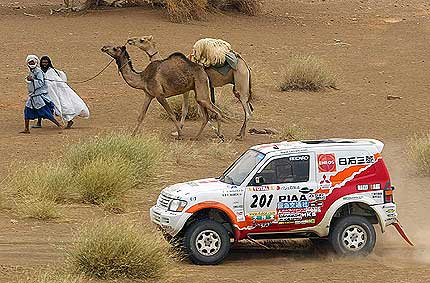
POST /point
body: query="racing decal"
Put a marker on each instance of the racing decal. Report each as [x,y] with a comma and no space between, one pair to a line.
[346,174]
[261,200]
[292,198]
[354,160]
[232,192]
[293,204]
[303,215]
[377,196]
[324,185]
[326,162]
[263,216]
[299,158]
[367,187]
[265,188]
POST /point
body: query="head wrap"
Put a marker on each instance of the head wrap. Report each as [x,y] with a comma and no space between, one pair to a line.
[33,58]
[49,63]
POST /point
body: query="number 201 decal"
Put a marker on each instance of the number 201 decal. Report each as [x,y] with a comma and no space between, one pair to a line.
[261,201]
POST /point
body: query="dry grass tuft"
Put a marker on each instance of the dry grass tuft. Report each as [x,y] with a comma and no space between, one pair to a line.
[117,249]
[38,189]
[307,73]
[39,208]
[105,180]
[175,103]
[247,7]
[100,172]
[292,133]
[222,151]
[224,100]
[186,10]
[419,151]
[143,153]
[56,277]
[181,152]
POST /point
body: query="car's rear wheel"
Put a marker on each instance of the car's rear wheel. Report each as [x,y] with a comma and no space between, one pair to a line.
[207,242]
[353,235]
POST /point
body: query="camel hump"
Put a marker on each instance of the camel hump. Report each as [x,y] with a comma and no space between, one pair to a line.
[178,54]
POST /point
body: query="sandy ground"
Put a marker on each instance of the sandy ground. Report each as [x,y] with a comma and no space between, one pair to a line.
[382,51]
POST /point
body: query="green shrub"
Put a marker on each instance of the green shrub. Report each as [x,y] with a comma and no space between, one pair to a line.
[307,73]
[419,151]
[111,249]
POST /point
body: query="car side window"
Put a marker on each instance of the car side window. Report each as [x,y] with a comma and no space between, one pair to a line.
[292,169]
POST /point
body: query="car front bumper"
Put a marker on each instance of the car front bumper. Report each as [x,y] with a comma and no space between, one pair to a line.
[169,221]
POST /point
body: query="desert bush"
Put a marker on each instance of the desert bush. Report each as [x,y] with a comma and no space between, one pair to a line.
[175,103]
[248,7]
[53,276]
[307,73]
[419,151]
[105,180]
[48,181]
[110,249]
[180,152]
[292,133]
[142,153]
[186,10]
[38,208]
[222,151]
[224,100]
[38,189]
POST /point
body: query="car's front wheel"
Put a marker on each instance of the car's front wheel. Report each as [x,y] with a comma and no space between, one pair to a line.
[207,242]
[353,235]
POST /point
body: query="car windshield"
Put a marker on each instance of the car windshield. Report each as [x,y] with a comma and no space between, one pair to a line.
[241,168]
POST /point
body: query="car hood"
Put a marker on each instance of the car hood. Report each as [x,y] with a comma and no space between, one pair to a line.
[196,187]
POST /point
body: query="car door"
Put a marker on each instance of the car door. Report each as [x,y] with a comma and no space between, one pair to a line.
[280,194]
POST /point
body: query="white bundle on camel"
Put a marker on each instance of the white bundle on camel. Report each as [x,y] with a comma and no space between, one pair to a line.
[210,51]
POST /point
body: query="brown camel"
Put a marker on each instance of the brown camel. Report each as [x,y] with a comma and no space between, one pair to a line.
[240,78]
[164,78]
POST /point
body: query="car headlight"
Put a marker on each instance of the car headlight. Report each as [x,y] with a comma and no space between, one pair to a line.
[177,205]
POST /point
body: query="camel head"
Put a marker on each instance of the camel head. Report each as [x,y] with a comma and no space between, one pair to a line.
[115,52]
[145,42]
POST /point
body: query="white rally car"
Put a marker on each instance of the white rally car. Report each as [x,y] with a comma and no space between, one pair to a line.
[335,189]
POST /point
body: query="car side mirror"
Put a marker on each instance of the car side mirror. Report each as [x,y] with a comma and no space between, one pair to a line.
[259,180]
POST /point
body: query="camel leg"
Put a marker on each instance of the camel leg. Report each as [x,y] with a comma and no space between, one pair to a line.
[147,100]
[209,106]
[242,92]
[185,107]
[205,119]
[247,111]
[163,101]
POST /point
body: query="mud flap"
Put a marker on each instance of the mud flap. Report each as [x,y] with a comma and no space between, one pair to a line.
[402,233]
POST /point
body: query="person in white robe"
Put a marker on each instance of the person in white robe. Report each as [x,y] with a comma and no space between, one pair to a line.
[67,103]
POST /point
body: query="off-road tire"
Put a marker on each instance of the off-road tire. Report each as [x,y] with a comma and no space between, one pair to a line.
[215,234]
[353,236]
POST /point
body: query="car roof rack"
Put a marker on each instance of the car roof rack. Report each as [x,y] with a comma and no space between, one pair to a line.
[328,141]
